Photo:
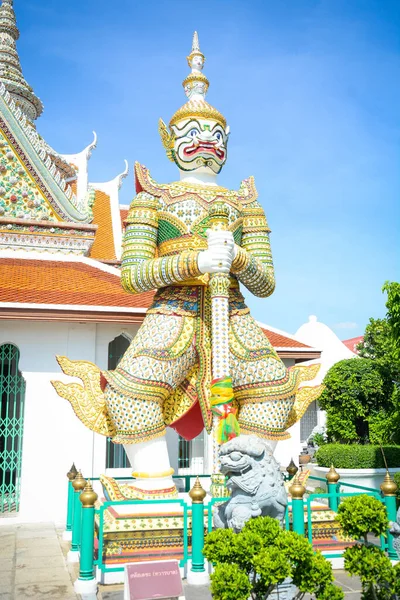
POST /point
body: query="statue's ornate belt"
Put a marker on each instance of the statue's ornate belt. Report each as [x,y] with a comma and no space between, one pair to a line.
[203,280]
[191,242]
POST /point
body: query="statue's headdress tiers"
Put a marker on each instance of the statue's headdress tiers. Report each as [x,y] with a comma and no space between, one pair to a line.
[196,86]
[195,50]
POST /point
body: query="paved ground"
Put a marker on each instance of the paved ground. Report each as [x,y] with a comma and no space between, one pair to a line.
[33,565]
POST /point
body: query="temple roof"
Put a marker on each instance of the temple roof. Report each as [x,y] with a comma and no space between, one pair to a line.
[34,288]
[23,152]
[104,245]
[353,342]
[79,281]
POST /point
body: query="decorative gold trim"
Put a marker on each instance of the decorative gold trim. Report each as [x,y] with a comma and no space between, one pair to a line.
[197,108]
[167,138]
[146,475]
[88,401]
[193,242]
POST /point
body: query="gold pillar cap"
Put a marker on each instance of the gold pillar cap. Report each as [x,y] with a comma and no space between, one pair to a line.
[332,475]
[197,494]
[88,496]
[297,489]
[78,483]
[72,473]
[292,468]
[388,486]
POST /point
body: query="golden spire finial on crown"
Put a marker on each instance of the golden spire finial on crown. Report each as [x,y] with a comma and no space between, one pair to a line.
[198,66]
[196,86]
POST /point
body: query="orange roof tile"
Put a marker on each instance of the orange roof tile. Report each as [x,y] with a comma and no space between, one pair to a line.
[77,283]
[124,213]
[351,343]
[103,246]
[281,341]
[62,282]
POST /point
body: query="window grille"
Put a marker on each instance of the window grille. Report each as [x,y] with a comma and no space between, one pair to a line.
[115,454]
[191,456]
[12,397]
[308,421]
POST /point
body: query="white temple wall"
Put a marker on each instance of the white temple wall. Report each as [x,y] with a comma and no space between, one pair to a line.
[54,437]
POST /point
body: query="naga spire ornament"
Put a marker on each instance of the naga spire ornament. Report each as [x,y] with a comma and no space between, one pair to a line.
[10,67]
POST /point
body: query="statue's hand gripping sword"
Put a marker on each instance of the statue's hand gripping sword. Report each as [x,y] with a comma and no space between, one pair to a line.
[221,385]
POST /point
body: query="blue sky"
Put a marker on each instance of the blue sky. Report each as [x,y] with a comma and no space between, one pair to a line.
[311,92]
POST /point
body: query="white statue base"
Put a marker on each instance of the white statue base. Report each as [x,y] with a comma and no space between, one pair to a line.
[87,589]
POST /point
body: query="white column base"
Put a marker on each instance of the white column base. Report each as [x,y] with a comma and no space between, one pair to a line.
[87,588]
[67,536]
[194,578]
[73,556]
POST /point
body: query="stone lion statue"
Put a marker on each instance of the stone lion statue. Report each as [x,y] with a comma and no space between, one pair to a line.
[254,480]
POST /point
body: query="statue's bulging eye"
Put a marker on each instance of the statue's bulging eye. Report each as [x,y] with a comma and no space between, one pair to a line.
[218,135]
[193,133]
[236,455]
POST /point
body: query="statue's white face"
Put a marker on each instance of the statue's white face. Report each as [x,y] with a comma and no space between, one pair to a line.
[200,143]
[197,62]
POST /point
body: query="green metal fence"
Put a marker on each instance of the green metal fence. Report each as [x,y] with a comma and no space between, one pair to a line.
[12,396]
[197,520]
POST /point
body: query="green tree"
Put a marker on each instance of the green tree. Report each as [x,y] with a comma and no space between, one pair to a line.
[393,314]
[251,563]
[358,516]
[355,394]
[381,343]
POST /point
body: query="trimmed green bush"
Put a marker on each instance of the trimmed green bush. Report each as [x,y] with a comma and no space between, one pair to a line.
[358,516]
[251,563]
[354,456]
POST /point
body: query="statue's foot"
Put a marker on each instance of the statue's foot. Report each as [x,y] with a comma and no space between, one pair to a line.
[151,467]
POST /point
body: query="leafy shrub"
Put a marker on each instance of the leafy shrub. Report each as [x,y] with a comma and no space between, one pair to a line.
[359,385]
[362,514]
[319,439]
[354,456]
[251,563]
[358,516]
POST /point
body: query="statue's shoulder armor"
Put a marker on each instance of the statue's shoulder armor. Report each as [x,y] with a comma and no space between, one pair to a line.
[247,192]
[246,195]
[145,183]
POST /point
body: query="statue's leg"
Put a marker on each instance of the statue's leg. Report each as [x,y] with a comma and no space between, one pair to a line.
[136,390]
[153,452]
[262,385]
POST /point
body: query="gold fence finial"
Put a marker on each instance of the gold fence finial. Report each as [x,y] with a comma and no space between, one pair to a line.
[197,493]
[297,489]
[332,475]
[79,482]
[388,486]
[88,496]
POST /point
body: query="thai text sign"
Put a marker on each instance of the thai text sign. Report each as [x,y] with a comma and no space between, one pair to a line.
[155,579]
